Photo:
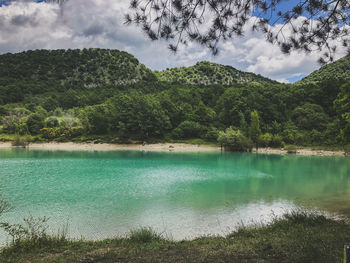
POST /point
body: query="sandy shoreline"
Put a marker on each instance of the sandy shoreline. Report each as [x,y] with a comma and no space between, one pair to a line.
[70,146]
[302,152]
[168,147]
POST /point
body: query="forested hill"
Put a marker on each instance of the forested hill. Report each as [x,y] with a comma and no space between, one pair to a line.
[207,73]
[41,71]
[339,69]
[78,94]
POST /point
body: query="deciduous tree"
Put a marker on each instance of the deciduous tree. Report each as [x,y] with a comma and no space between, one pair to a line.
[254,129]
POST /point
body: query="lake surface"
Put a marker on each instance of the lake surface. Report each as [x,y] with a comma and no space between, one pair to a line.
[182,195]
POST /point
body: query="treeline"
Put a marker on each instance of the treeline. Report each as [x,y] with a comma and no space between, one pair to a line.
[311,113]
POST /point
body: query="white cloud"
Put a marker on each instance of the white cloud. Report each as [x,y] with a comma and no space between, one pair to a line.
[99,23]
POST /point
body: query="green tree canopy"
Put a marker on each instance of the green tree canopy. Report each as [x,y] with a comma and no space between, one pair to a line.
[254,128]
[234,140]
[310,116]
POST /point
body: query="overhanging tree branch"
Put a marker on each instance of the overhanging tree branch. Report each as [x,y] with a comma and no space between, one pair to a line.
[307,26]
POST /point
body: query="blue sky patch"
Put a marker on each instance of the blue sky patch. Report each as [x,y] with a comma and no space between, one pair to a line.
[296,78]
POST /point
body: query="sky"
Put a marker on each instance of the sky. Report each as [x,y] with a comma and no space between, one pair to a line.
[29,24]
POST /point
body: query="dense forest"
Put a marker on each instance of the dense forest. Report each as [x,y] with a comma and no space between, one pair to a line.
[94,93]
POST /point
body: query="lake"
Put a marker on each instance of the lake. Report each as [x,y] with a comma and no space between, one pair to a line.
[182,195]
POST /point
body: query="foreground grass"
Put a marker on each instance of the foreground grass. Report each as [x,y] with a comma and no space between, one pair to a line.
[296,237]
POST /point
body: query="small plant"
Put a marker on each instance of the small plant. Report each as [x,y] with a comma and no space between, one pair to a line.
[277,141]
[32,235]
[20,141]
[144,235]
[347,149]
[61,133]
[234,140]
[33,229]
[291,149]
[304,217]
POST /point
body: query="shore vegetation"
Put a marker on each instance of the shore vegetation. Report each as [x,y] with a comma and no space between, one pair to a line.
[295,237]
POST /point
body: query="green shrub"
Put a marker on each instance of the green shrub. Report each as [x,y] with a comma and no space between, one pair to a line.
[144,235]
[310,116]
[303,217]
[51,122]
[265,139]
[13,124]
[234,140]
[315,137]
[32,229]
[72,132]
[291,149]
[50,133]
[35,122]
[289,132]
[187,130]
[31,235]
[61,133]
[20,141]
[277,141]
[212,134]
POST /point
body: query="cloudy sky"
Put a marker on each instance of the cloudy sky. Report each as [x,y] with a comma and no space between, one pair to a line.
[28,25]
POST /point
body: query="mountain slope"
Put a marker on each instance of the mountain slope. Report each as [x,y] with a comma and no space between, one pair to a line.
[107,66]
[339,69]
[41,71]
[207,73]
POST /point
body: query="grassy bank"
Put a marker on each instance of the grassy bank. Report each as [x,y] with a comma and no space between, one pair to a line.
[296,237]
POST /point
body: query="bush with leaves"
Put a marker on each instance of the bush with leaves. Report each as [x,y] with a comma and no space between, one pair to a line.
[50,133]
[291,149]
[33,229]
[309,117]
[254,128]
[265,140]
[15,121]
[95,119]
[137,115]
[51,122]
[35,122]
[144,235]
[347,149]
[289,132]
[315,136]
[277,141]
[212,134]
[21,141]
[61,132]
[234,140]
[187,130]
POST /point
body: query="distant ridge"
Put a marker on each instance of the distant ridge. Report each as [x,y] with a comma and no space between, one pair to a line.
[207,73]
[339,69]
[89,68]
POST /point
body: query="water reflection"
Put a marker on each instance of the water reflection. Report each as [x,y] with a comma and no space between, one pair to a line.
[184,194]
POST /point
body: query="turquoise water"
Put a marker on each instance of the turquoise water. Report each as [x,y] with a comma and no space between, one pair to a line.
[182,195]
